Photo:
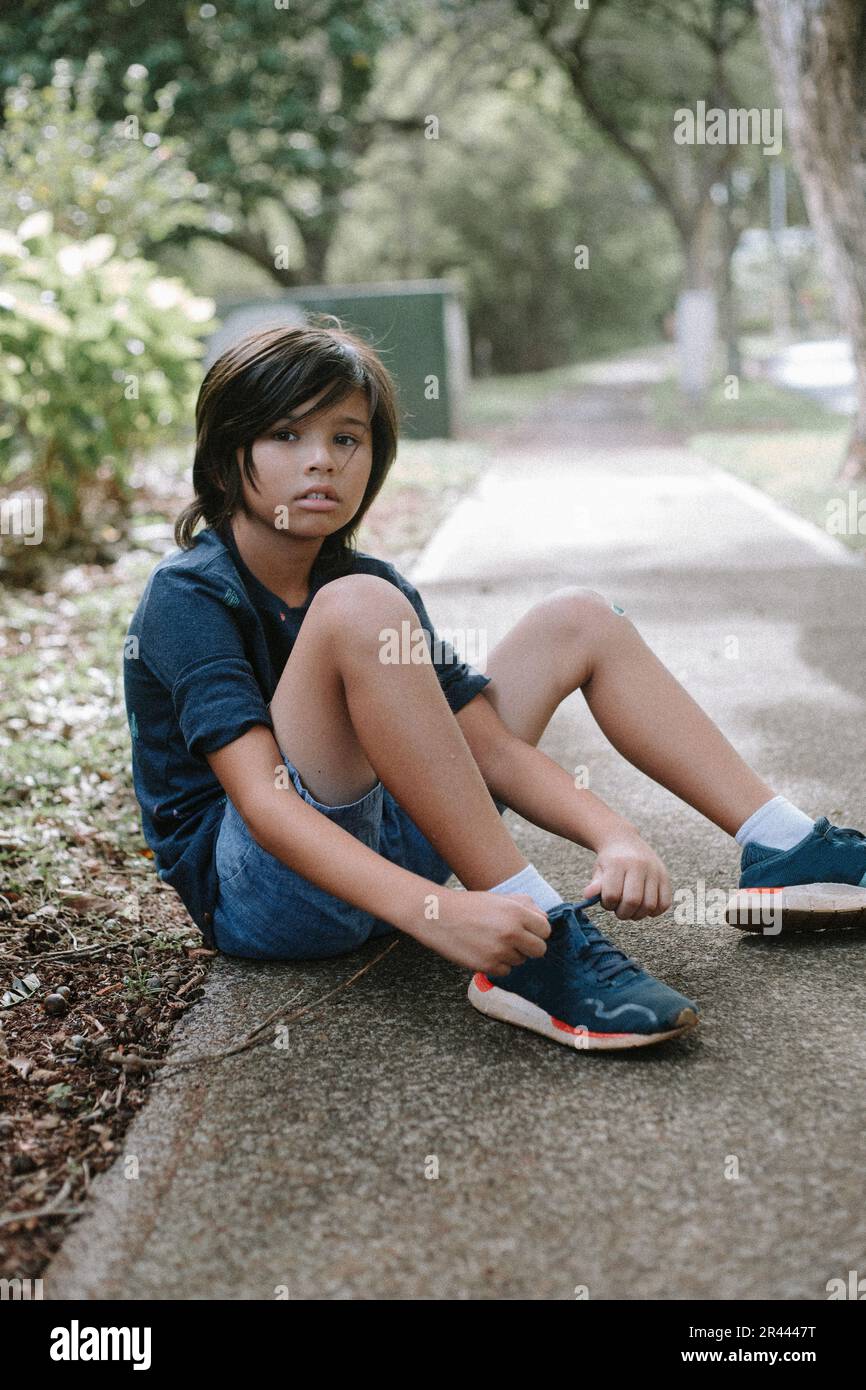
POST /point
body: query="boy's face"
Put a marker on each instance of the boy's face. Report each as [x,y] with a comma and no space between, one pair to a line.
[333,451]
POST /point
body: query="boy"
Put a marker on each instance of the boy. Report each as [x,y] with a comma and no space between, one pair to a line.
[304,794]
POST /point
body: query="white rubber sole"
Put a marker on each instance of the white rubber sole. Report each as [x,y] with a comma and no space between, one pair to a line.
[507,1007]
[805,907]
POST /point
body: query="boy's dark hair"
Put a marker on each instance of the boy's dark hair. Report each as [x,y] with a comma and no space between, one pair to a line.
[263,377]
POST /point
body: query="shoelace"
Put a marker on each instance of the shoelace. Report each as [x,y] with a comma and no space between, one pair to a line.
[607,960]
[836,832]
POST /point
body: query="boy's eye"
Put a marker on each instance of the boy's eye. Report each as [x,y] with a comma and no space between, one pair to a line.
[281,434]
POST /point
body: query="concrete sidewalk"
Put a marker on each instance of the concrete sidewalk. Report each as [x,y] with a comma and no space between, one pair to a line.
[305,1168]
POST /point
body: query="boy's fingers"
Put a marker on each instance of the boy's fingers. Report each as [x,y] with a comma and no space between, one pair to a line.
[539,927]
[537,919]
[631,895]
[612,888]
[532,945]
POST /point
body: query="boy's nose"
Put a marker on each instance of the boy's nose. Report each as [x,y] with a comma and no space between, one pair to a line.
[320,455]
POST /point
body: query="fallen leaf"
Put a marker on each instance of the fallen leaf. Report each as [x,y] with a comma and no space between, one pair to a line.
[23,1065]
[87,902]
[130,911]
[21,990]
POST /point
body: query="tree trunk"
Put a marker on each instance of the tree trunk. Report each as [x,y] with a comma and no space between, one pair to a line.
[817,49]
[697,309]
[317,242]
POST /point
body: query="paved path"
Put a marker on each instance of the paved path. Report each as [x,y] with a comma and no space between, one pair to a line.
[305,1168]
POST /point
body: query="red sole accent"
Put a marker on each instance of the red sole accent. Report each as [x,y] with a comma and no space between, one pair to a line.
[584,1032]
[481,982]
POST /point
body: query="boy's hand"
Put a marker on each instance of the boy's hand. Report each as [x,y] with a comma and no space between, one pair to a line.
[630,878]
[490,932]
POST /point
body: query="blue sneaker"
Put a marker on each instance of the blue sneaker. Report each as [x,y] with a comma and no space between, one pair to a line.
[819,883]
[584,991]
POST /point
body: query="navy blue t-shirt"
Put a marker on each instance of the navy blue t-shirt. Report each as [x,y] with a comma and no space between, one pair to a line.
[204,652]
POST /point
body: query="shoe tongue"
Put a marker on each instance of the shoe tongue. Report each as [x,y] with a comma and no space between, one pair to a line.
[566,939]
[566,924]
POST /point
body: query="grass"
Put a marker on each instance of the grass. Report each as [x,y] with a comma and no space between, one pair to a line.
[498,400]
[759,406]
[65,736]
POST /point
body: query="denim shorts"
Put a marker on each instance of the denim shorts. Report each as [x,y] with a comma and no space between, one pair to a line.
[266,911]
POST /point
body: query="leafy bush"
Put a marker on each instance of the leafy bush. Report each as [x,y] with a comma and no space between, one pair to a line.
[127,177]
[98,356]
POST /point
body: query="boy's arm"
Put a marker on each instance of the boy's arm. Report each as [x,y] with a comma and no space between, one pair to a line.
[481,930]
[300,836]
[531,783]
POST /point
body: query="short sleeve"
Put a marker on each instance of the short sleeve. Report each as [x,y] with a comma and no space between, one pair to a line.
[191,639]
[460,681]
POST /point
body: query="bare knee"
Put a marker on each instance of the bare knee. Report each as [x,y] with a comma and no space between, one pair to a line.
[572,610]
[574,621]
[357,608]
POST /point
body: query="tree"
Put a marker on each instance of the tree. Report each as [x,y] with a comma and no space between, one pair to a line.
[503,193]
[268,102]
[817,49]
[631,73]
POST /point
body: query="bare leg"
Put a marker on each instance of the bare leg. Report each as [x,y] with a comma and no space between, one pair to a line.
[344,717]
[573,640]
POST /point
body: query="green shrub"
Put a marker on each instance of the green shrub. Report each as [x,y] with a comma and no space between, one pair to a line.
[126,177]
[98,357]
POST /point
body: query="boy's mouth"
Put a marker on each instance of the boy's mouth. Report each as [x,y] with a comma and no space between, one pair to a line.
[317,502]
[324,491]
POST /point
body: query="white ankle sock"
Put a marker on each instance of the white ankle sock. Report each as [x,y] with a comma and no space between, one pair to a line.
[777,823]
[529,881]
